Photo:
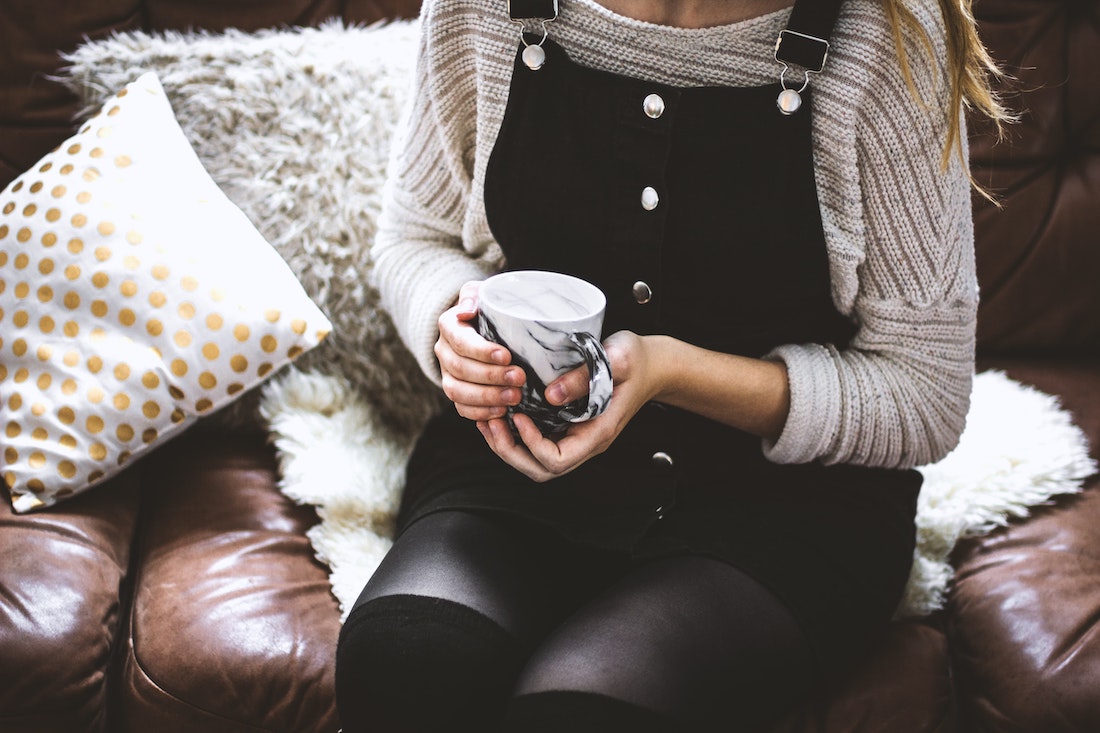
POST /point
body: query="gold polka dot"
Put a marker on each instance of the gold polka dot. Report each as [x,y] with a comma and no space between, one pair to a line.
[106,228]
[186,311]
[157,299]
[133,237]
[66,169]
[211,351]
[36,460]
[272,315]
[36,186]
[264,369]
[66,415]
[179,367]
[15,402]
[66,469]
[241,332]
[72,300]
[130,262]
[95,476]
[203,405]
[239,363]
[74,148]
[150,409]
[122,93]
[124,432]
[99,308]
[44,381]
[76,246]
[269,343]
[104,132]
[148,436]
[9,479]
[21,261]
[97,452]
[9,207]
[114,111]
[68,441]
[46,324]
[79,220]
[21,375]
[103,253]
[189,284]
[234,388]
[96,153]
[19,347]
[208,380]
[17,187]
[122,161]
[22,290]
[72,272]
[44,352]
[68,387]
[217,295]
[39,434]
[214,322]
[45,266]
[29,209]
[127,317]
[13,430]
[160,272]
[11,455]
[58,191]
[178,416]
[45,294]
[20,319]
[154,327]
[182,339]
[72,329]
[123,457]
[90,175]
[96,395]
[24,235]
[176,392]
[121,401]
[98,334]
[122,372]
[3,233]
[36,485]
[83,197]
[298,326]
[150,380]
[45,167]
[53,215]
[95,364]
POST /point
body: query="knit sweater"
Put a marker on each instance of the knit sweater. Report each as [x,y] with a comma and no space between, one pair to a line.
[898,227]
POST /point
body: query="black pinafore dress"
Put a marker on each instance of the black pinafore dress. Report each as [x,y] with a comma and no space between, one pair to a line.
[695,211]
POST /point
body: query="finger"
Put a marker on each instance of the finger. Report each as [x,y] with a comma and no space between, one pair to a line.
[464,340]
[515,455]
[466,308]
[462,392]
[546,452]
[568,387]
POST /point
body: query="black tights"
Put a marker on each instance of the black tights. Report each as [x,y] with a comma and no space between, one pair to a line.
[472,624]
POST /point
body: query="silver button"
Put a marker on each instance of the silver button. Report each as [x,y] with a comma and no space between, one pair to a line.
[653,106]
[660,458]
[642,292]
[650,199]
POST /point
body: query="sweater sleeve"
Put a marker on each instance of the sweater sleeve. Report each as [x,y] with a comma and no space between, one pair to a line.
[420,261]
[898,395]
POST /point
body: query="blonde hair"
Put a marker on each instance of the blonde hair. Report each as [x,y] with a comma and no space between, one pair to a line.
[972,71]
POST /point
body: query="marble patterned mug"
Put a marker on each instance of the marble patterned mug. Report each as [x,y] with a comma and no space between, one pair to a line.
[551,323]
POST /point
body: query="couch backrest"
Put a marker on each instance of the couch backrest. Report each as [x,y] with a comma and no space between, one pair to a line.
[1039,256]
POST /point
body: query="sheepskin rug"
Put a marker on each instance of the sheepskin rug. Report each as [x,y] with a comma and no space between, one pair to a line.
[295,125]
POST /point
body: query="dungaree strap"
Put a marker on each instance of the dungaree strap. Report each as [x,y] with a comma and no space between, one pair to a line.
[533,9]
[805,41]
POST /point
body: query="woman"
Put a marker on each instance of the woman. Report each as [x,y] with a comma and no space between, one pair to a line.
[791,303]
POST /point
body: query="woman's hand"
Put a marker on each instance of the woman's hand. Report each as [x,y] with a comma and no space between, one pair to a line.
[477,374]
[637,380]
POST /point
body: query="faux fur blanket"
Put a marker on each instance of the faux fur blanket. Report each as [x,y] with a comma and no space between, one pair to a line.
[295,125]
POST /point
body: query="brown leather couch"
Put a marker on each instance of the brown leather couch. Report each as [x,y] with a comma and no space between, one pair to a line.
[183,596]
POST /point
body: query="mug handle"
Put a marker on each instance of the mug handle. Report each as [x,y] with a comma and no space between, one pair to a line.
[600,383]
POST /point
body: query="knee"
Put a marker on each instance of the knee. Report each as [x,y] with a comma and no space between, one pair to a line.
[406,662]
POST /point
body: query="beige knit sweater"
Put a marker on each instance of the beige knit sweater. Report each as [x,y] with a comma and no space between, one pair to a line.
[898,228]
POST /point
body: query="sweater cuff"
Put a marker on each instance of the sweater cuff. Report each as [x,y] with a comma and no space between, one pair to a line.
[813,420]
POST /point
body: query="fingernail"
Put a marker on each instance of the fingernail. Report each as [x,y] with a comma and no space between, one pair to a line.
[510,396]
[499,356]
[555,394]
[514,376]
[466,305]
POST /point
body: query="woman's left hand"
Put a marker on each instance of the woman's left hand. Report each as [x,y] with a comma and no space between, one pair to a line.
[541,459]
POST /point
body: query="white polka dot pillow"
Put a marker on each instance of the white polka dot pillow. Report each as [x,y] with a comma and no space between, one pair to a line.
[134,299]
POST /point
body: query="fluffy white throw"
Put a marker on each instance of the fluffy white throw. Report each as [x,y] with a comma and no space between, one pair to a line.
[295,125]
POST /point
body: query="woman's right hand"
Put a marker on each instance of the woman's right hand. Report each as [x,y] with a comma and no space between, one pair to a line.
[478,375]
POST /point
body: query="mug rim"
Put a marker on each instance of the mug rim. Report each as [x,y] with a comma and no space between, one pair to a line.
[594,307]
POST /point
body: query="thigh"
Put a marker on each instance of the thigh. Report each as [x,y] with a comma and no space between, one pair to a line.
[478,561]
[689,637]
